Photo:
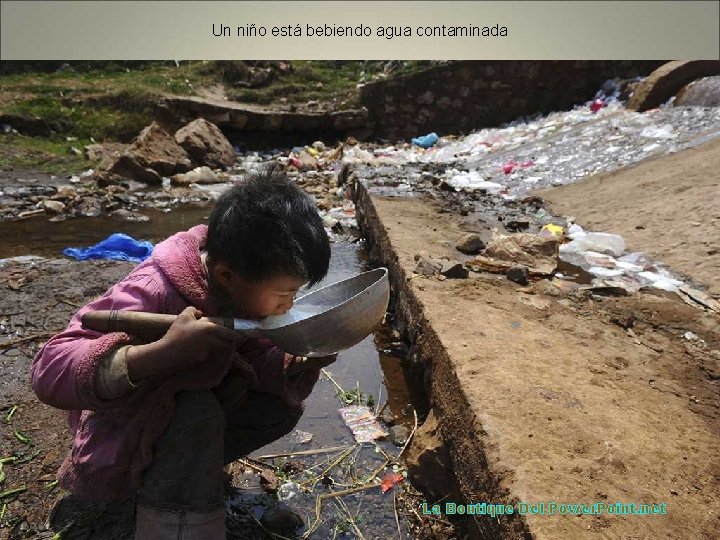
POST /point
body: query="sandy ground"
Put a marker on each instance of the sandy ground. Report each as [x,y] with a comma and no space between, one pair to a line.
[545,397]
[668,207]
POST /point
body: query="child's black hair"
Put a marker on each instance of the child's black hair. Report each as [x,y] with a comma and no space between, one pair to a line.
[266,226]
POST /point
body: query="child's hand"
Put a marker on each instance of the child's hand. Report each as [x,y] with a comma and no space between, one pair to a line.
[301,364]
[190,340]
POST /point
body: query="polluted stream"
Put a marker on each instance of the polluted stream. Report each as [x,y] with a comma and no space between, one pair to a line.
[367,375]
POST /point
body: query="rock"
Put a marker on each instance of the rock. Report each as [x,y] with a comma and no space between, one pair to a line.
[427,267]
[89,207]
[153,154]
[65,193]
[387,417]
[206,144]
[538,253]
[399,435]
[420,254]
[281,521]
[454,270]
[667,80]
[428,461]
[103,152]
[519,274]
[517,225]
[704,92]
[126,215]
[470,244]
[200,175]
[53,207]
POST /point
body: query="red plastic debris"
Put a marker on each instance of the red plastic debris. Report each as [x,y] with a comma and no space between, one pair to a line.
[390,480]
[596,105]
[509,167]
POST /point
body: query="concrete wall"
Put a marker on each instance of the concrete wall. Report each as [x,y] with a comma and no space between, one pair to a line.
[464,96]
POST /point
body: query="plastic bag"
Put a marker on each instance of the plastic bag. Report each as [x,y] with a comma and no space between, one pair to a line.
[426,141]
[118,246]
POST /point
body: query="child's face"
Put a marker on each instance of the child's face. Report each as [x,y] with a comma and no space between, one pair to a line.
[257,300]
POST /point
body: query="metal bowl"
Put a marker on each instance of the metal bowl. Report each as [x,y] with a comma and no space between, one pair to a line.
[336,317]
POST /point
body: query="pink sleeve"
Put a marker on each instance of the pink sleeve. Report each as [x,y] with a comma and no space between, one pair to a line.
[63,372]
[269,363]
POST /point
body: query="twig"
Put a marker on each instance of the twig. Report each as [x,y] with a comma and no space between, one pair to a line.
[397,519]
[330,378]
[13,342]
[305,452]
[407,442]
[342,505]
[341,457]
[377,406]
[377,471]
[321,498]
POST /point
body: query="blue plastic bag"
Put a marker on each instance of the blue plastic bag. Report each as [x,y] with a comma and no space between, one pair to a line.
[118,246]
[426,141]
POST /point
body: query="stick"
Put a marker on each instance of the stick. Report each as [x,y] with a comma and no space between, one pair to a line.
[330,378]
[321,498]
[306,452]
[342,504]
[342,456]
[409,436]
[12,342]
[377,406]
[397,519]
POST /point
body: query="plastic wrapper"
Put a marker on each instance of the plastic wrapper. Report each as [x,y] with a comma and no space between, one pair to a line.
[362,422]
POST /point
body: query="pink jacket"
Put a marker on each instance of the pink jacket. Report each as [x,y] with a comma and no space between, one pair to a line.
[113,439]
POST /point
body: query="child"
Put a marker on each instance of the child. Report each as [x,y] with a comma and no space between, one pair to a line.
[158,417]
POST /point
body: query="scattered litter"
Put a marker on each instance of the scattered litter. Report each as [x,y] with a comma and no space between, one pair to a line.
[362,422]
[390,480]
[426,141]
[300,437]
[118,246]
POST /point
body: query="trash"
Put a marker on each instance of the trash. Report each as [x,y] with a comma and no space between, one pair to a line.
[288,490]
[551,230]
[118,246]
[300,437]
[390,480]
[426,141]
[593,241]
[538,254]
[659,132]
[690,336]
[596,105]
[361,421]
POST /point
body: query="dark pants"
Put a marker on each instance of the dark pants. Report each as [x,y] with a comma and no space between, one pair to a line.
[188,459]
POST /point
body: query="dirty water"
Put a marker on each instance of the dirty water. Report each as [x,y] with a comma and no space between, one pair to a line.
[362,367]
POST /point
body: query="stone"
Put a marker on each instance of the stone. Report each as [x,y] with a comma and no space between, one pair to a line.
[205,144]
[281,521]
[454,270]
[427,458]
[519,275]
[703,92]
[667,80]
[153,154]
[53,207]
[387,417]
[427,267]
[99,152]
[199,175]
[398,435]
[470,244]
[126,215]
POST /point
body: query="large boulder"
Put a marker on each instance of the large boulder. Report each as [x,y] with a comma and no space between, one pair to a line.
[704,92]
[667,80]
[205,144]
[153,154]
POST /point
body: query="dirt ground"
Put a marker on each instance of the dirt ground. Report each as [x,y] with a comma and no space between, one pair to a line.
[667,207]
[568,398]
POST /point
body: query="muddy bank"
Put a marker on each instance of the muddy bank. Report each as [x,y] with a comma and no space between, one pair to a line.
[543,396]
